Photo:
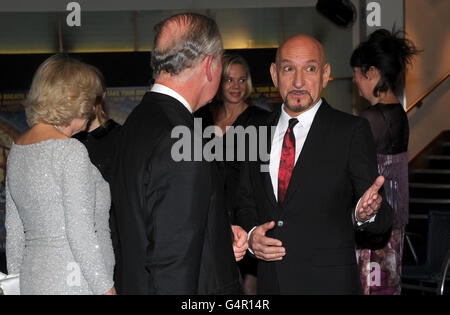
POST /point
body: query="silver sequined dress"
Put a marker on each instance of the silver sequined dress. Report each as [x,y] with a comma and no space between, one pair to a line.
[57,213]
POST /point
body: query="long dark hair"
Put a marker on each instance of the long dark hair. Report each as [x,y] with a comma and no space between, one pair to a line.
[390,53]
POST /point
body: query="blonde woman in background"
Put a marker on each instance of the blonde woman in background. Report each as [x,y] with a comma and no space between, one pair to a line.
[101,134]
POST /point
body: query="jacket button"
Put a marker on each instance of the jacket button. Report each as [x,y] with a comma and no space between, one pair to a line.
[280,223]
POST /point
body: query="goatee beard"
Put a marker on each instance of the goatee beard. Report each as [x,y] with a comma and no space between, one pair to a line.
[298,108]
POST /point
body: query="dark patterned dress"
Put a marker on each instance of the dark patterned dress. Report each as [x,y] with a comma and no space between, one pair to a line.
[380,266]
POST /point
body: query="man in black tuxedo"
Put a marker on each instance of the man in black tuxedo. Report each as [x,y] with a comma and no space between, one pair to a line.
[171,232]
[301,214]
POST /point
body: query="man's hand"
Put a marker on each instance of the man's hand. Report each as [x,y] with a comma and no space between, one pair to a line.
[370,201]
[266,248]
[240,244]
[111,292]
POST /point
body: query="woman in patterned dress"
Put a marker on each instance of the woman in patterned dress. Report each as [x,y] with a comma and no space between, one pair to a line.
[379,65]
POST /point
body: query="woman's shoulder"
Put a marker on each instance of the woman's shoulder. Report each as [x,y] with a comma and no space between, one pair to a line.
[372,112]
[59,144]
[111,127]
[390,112]
[394,109]
[72,149]
[60,152]
[252,115]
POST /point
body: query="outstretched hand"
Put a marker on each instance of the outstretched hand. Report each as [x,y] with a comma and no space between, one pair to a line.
[370,201]
[266,248]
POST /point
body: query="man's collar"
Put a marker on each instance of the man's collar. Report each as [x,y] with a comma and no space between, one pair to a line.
[159,88]
[305,118]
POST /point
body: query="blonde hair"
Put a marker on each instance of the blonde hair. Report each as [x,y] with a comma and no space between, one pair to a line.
[227,61]
[62,89]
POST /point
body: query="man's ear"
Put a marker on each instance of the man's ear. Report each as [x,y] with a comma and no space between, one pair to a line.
[326,74]
[274,74]
[209,64]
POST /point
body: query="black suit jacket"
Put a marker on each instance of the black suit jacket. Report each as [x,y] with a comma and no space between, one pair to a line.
[315,223]
[172,234]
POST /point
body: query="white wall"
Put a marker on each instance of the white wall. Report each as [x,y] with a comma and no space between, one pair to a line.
[428,26]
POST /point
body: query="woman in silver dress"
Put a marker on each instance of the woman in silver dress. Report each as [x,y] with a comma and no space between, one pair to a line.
[57,202]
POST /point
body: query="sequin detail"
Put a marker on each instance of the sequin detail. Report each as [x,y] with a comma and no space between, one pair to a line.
[57,214]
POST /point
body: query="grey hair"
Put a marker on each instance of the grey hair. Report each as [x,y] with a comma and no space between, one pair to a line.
[200,38]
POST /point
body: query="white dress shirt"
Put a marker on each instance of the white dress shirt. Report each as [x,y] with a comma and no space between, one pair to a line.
[159,88]
[300,130]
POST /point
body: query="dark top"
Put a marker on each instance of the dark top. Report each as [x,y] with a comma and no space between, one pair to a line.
[230,168]
[389,125]
[101,143]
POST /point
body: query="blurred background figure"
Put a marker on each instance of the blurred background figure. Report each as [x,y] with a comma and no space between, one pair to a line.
[230,109]
[379,65]
[57,203]
[101,135]
[100,139]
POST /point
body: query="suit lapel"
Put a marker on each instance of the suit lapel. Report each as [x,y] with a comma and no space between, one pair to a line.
[268,188]
[311,149]
[265,176]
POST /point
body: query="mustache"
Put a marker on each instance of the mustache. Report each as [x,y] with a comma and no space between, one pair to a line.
[299,92]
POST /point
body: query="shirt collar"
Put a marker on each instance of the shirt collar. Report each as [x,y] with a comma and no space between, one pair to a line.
[159,88]
[305,118]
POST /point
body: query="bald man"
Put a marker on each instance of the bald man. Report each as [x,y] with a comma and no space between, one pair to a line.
[321,186]
[171,231]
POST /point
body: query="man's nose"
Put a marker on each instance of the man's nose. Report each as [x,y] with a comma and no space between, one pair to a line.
[298,80]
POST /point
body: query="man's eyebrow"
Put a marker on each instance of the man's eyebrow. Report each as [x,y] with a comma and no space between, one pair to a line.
[308,61]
